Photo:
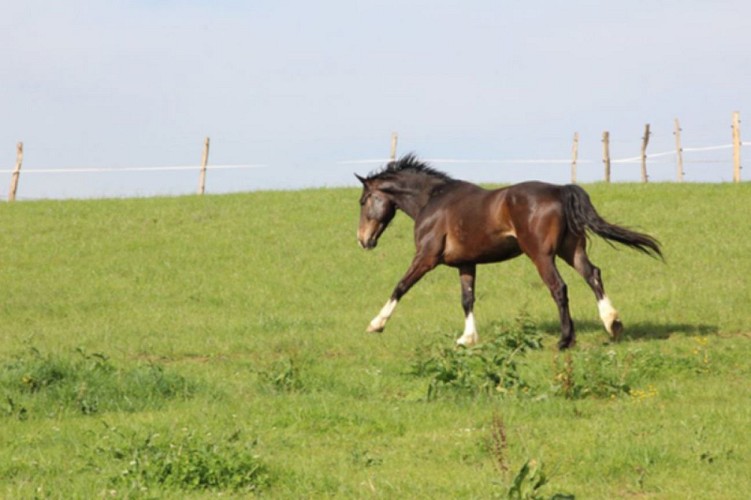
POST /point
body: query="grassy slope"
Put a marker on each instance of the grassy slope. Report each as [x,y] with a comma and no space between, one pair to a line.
[223,289]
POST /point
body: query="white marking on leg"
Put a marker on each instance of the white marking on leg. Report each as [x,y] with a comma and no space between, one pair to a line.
[379,322]
[608,314]
[469,337]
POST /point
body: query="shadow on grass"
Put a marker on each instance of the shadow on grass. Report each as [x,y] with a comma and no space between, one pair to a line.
[639,330]
[649,330]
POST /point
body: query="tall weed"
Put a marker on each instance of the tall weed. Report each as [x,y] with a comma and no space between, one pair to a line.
[529,481]
[611,373]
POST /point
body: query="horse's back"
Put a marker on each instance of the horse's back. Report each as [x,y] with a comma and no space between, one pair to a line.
[533,190]
[499,224]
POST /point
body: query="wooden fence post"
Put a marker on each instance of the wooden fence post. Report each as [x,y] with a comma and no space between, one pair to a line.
[678,151]
[16,173]
[574,157]
[736,147]
[204,163]
[394,140]
[644,142]
[606,154]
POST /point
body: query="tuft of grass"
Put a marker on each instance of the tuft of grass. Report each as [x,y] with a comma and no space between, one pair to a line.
[283,376]
[491,367]
[605,372]
[184,460]
[596,373]
[38,385]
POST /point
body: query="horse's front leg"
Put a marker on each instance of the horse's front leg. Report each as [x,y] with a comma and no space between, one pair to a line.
[467,279]
[420,266]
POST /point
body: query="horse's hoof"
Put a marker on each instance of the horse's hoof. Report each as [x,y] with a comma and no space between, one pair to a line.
[566,344]
[616,329]
[374,329]
[467,342]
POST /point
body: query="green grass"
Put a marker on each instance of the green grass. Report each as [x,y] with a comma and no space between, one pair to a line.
[187,347]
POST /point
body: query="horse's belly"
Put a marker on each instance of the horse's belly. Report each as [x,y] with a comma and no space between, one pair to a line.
[495,250]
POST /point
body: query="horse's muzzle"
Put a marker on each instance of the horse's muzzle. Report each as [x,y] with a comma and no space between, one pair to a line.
[369,244]
[367,237]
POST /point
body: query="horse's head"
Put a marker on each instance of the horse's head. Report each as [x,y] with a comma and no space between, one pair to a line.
[377,208]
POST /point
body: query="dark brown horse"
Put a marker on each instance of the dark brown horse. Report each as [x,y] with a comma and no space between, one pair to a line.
[460,224]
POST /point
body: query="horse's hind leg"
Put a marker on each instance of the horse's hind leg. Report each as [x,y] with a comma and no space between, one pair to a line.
[467,278]
[549,273]
[579,260]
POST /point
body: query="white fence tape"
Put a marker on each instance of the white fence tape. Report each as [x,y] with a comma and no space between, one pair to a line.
[632,159]
[26,171]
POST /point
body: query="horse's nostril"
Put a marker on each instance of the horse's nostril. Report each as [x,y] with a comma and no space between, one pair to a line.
[368,244]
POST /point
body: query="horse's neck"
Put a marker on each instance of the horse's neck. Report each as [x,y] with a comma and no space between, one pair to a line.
[414,197]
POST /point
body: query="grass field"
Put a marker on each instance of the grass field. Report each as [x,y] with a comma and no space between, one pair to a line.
[200,346]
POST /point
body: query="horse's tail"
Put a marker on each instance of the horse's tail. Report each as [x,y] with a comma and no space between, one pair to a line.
[581,216]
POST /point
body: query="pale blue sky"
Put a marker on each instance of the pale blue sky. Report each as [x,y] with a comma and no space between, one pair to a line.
[303,86]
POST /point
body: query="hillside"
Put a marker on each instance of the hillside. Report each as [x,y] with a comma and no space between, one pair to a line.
[233,326]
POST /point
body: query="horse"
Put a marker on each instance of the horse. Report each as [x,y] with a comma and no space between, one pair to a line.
[461,225]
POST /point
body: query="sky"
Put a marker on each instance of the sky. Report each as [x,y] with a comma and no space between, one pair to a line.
[302,94]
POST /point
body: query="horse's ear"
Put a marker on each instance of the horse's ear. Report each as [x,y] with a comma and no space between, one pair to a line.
[361,179]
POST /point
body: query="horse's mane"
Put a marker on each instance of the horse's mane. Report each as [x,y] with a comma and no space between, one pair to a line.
[408,164]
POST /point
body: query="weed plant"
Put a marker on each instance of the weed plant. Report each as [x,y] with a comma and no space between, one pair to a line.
[531,479]
[492,366]
[183,460]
